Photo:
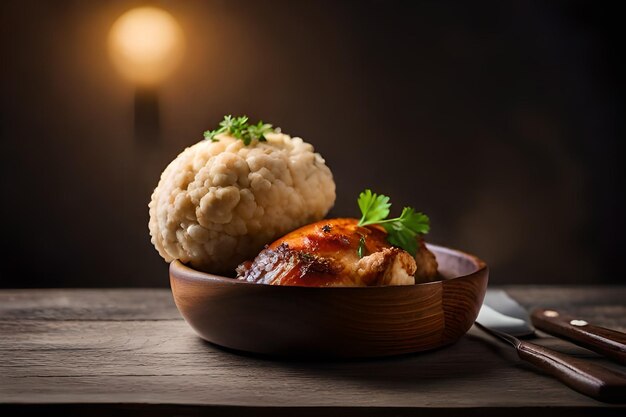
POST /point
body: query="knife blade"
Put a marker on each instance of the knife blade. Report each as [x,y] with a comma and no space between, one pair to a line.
[607,342]
[585,377]
[500,301]
[495,320]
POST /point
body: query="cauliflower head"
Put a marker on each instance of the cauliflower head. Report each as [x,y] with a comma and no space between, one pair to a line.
[218,203]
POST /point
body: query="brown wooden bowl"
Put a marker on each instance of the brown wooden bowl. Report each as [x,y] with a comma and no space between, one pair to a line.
[337,321]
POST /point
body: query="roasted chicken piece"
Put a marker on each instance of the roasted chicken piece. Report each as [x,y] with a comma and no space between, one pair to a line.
[326,254]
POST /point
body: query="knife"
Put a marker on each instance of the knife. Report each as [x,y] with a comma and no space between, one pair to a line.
[585,377]
[607,342]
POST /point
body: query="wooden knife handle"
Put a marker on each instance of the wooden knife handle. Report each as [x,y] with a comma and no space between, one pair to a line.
[583,376]
[607,342]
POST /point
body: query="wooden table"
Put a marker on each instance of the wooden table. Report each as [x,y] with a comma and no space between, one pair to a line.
[104,352]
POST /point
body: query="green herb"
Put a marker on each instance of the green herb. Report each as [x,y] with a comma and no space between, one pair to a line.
[238,127]
[361,248]
[401,231]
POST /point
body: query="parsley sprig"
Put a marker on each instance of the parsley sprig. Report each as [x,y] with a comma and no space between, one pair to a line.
[401,231]
[239,128]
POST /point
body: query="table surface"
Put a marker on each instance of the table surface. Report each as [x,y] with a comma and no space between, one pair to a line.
[129,350]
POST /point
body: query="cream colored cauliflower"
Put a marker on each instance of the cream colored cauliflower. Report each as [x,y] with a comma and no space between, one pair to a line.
[218,203]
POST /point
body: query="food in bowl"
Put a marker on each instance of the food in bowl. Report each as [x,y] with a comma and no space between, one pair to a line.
[326,254]
[339,322]
[221,200]
[347,253]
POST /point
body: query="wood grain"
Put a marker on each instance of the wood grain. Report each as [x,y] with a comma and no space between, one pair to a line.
[608,342]
[603,304]
[344,322]
[586,377]
[97,304]
[79,362]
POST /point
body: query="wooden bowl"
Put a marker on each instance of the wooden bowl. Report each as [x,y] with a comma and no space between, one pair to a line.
[333,322]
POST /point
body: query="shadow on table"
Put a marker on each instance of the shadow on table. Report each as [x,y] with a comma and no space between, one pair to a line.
[469,358]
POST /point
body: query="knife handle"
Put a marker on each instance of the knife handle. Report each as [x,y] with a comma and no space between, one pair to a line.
[607,342]
[583,376]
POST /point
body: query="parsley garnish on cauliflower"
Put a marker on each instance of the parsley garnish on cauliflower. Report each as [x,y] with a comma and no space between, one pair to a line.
[219,202]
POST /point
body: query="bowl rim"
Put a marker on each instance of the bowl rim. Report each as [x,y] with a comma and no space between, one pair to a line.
[189,274]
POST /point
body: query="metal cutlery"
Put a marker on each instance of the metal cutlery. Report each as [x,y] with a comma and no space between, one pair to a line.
[583,376]
[607,342]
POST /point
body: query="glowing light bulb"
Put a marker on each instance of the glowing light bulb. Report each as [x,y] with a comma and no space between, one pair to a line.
[146,45]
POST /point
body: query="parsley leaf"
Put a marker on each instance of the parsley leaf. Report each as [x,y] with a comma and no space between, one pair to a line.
[238,127]
[258,131]
[374,207]
[402,231]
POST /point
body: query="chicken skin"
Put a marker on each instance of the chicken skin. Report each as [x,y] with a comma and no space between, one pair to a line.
[326,254]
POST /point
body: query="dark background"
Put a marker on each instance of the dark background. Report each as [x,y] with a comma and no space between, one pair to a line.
[498,119]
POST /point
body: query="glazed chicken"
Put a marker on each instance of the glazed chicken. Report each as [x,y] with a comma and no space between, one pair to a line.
[326,254]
